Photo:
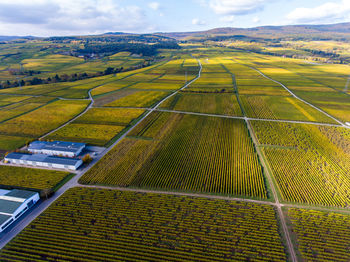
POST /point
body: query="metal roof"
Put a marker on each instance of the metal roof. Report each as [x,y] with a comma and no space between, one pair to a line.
[8,206]
[4,218]
[21,193]
[44,158]
[59,146]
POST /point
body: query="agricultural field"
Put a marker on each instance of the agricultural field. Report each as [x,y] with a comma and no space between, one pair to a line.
[281,107]
[30,178]
[309,163]
[97,126]
[187,153]
[225,104]
[44,119]
[321,236]
[322,85]
[136,226]
[139,99]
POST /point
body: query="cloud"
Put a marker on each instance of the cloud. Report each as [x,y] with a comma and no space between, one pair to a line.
[256,20]
[196,21]
[228,19]
[154,5]
[236,7]
[328,12]
[27,13]
[66,17]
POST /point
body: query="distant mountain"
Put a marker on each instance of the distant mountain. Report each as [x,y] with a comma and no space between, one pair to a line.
[10,38]
[268,31]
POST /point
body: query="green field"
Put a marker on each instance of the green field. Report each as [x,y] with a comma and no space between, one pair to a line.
[135,226]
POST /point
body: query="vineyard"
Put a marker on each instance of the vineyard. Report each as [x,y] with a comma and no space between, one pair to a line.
[97,126]
[310,163]
[225,104]
[184,152]
[281,107]
[321,236]
[44,119]
[134,226]
[11,176]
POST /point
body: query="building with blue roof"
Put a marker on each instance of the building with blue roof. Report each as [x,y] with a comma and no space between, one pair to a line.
[41,160]
[13,204]
[56,148]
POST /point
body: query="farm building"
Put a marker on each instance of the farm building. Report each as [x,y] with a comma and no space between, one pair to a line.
[41,160]
[13,204]
[56,148]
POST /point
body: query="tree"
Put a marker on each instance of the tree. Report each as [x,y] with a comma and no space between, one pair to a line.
[87,159]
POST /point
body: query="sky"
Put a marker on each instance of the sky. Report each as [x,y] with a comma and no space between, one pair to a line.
[82,17]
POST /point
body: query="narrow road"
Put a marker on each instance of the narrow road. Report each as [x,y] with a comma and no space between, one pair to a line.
[248,118]
[290,246]
[181,194]
[300,99]
[74,118]
[17,228]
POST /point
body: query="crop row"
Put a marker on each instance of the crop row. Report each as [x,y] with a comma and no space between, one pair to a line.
[95,225]
[186,152]
[321,236]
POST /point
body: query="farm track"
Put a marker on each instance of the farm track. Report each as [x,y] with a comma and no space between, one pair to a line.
[297,97]
[74,181]
[37,210]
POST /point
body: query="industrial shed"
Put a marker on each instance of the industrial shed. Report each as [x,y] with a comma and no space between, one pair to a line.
[13,204]
[56,148]
[41,160]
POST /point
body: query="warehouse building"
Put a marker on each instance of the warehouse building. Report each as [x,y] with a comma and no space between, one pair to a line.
[13,204]
[56,148]
[41,160]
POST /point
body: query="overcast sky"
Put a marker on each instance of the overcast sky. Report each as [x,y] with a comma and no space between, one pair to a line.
[72,17]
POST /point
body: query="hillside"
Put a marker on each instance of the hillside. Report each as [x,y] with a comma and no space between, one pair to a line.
[303,31]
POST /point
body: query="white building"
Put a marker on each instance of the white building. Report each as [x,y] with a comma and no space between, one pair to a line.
[13,204]
[56,148]
[40,160]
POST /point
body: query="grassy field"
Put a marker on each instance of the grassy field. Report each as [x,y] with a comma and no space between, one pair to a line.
[184,152]
[135,226]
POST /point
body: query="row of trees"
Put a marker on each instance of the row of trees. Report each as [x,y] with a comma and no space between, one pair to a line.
[68,78]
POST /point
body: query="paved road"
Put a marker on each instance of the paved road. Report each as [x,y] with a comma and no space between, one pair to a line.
[74,181]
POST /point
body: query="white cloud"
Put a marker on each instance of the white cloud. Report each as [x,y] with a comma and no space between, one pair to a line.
[328,12]
[154,5]
[228,19]
[236,7]
[196,21]
[66,17]
[256,20]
